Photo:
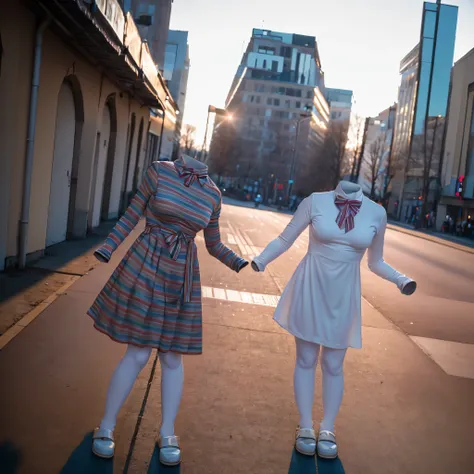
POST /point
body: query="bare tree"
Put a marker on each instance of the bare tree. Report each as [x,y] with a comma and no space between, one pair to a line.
[376,151]
[188,139]
[355,139]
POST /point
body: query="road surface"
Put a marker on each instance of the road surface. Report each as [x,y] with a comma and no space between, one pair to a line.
[408,403]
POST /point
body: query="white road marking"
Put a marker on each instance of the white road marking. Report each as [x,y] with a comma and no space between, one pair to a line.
[231,239]
[454,358]
[240,296]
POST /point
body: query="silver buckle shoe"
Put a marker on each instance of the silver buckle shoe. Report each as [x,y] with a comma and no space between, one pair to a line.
[327,446]
[170,452]
[305,442]
[103,444]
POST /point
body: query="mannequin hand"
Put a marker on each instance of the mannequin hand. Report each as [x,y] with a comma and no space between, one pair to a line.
[255,267]
[409,287]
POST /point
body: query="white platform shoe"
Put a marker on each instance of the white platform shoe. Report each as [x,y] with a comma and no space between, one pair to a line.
[170,452]
[103,444]
[305,442]
[327,446]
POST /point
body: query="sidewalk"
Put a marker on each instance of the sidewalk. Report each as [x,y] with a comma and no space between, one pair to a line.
[459,243]
[401,413]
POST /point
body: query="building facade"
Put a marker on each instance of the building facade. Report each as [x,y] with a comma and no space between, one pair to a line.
[457,198]
[375,173]
[278,80]
[74,120]
[340,103]
[421,115]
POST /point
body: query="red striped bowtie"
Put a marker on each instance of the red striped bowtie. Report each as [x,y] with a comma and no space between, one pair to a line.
[190,175]
[348,209]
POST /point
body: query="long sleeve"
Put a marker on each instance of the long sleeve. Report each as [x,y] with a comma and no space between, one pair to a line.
[285,240]
[376,262]
[216,248]
[131,217]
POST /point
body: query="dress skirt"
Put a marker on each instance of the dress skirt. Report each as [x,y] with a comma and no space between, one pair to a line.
[142,303]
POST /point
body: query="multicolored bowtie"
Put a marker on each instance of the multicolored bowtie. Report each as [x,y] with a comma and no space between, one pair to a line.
[348,209]
[190,175]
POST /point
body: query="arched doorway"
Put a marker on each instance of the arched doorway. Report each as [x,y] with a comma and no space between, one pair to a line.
[64,138]
[101,153]
[137,160]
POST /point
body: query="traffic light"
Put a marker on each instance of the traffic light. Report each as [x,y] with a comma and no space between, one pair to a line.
[460,187]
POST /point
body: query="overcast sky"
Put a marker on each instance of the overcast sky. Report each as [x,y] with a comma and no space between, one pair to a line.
[360,43]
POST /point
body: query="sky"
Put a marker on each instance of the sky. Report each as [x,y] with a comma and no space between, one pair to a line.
[360,42]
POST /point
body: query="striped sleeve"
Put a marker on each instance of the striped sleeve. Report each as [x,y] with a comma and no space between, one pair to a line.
[215,246]
[131,217]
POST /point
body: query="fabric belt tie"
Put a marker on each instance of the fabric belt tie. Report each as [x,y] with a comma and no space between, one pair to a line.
[348,209]
[175,241]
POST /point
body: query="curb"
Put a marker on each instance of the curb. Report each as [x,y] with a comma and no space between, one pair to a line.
[28,318]
[436,240]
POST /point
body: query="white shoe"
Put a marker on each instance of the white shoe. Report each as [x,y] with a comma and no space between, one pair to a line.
[305,442]
[327,446]
[170,452]
[103,444]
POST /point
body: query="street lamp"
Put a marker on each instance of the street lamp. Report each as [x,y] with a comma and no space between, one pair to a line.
[302,118]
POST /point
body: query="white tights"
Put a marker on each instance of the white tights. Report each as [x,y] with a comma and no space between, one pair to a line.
[307,354]
[172,378]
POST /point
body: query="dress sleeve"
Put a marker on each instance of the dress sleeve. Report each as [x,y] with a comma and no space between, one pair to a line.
[131,217]
[285,240]
[216,248]
[376,262]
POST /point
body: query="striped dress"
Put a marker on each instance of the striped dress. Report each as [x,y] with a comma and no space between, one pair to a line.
[153,298]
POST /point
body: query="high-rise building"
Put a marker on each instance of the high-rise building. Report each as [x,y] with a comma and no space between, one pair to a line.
[153,20]
[375,173]
[176,71]
[457,182]
[421,114]
[276,102]
[340,103]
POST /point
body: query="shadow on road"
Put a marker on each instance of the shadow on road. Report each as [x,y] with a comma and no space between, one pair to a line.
[10,457]
[157,468]
[83,461]
[307,465]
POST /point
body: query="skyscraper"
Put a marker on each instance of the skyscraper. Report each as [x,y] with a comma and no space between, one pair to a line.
[340,103]
[276,101]
[421,114]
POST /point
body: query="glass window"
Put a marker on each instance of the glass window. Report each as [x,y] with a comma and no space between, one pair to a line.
[252,98]
[257,99]
[264,64]
[275,66]
[427,50]
[290,92]
[287,104]
[269,101]
[443,60]
[298,105]
[268,112]
[298,93]
[422,101]
[171,52]
[429,25]
[276,102]
[309,95]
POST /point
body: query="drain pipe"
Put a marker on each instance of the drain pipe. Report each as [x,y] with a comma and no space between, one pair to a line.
[30,143]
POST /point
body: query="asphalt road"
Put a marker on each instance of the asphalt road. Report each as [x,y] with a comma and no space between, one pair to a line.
[401,413]
[442,307]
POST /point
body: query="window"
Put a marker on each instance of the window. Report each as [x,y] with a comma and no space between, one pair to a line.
[309,95]
[266,50]
[287,104]
[268,113]
[276,102]
[290,92]
[171,51]
[275,66]
[298,92]
[252,98]
[257,99]
[264,64]
[259,88]
[285,51]
[298,105]
[269,101]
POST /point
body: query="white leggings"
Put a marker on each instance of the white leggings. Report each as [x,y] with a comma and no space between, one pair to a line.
[307,354]
[172,378]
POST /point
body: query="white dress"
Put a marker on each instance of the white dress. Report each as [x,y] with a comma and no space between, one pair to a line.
[322,301]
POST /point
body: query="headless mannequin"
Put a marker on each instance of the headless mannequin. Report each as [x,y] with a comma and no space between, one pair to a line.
[172,378]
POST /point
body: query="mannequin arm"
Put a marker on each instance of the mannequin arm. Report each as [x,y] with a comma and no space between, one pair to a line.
[131,217]
[285,240]
[216,248]
[381,268]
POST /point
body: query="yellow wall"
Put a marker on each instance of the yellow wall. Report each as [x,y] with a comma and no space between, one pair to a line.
[58,62]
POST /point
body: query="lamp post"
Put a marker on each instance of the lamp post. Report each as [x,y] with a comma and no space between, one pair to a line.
[291,181]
